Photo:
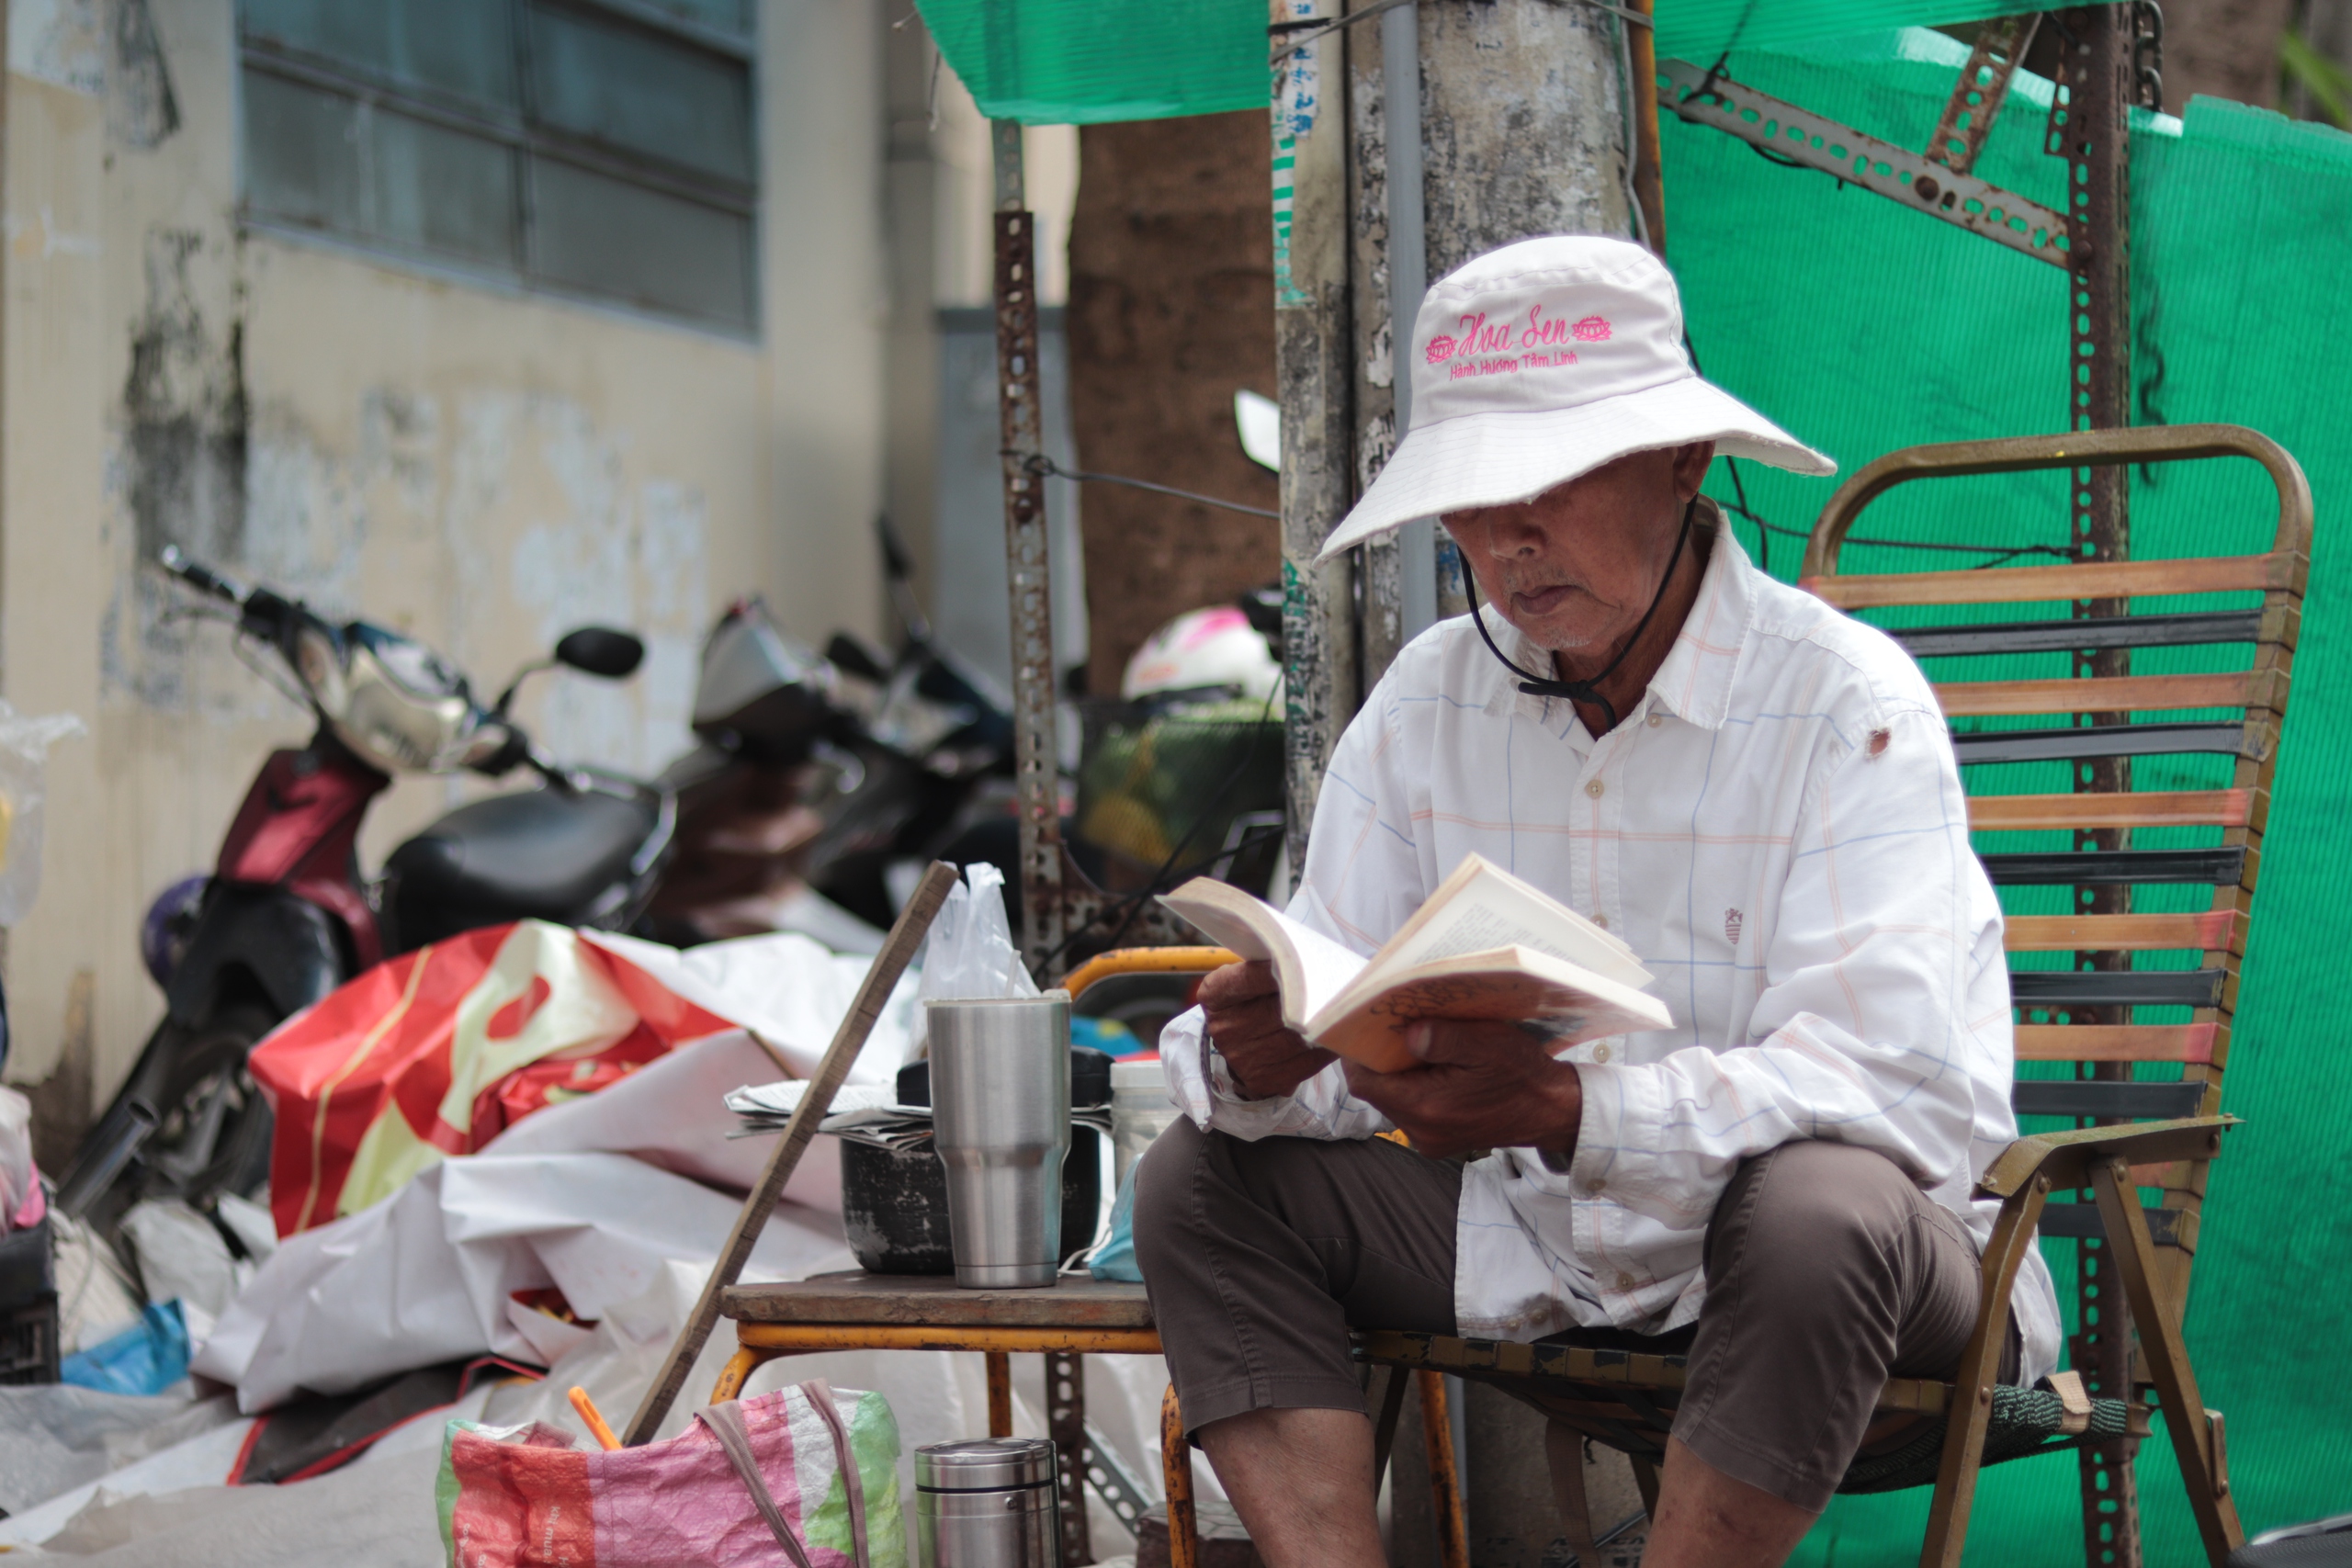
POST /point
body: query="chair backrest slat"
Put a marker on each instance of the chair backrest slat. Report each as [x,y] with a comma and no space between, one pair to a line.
[2190,1042]
[2093,580]
[2213,930]
[2051,636]
[2121,693]
[2234,739]
[2116,988]
[2222,866]
[2155,808]
[2054,1097]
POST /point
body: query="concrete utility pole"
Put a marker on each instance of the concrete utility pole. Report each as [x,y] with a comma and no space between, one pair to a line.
[1521,110]
[1404,145]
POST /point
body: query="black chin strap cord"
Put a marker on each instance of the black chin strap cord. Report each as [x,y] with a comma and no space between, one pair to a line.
[1537,685]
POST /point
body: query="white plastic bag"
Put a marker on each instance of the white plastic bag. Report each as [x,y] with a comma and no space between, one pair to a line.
[24,748]
[970,953]
[16,1158]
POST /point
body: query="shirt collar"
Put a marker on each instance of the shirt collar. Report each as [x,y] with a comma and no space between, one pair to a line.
[1694,683]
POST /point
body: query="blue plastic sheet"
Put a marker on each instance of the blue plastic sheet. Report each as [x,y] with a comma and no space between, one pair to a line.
[1115,1258]
[147,1357]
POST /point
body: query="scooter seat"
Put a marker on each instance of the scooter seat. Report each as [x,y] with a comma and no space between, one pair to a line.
[535,854]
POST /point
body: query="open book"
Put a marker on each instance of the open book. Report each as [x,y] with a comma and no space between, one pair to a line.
[1485,945]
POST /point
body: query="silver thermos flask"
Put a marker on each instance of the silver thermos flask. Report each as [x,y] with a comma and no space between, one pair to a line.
[999,1106]
[987,1503]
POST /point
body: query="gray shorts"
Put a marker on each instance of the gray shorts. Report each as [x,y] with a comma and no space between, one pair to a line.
[1828,1272]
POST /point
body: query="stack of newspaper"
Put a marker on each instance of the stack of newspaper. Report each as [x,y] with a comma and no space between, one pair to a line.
[869,1113]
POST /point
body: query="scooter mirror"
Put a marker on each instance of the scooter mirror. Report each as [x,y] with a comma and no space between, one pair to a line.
[601,651]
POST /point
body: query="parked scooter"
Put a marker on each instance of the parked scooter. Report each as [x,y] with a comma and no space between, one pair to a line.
[287,917]
[817,777]
[821,780]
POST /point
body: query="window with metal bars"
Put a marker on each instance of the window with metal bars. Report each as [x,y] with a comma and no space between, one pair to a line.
[595,148]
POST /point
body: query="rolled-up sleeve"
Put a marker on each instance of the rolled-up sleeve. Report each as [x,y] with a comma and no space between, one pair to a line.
[1861,1035]
[1198,1084]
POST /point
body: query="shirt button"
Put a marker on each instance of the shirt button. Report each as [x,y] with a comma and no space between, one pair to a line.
[1600,921]
[1593,788]
[1625,1281]
[1601,1052]
[1656,719]
[1595,1186]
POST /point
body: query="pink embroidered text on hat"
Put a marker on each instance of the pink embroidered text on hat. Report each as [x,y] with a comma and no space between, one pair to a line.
[1540,362]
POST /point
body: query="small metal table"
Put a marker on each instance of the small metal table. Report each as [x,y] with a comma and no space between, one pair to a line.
[1074,1318]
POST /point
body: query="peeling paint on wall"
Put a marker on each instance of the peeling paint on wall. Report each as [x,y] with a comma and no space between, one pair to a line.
[111,49]
[184,403]
[633,561]
[178,468]
[142,111]
[61,42]
[305,523]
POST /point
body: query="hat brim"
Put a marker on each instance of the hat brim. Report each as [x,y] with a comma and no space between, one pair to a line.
[1498,456]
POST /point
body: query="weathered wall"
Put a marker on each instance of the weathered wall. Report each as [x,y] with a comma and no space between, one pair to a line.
[1171,311]
[480,468]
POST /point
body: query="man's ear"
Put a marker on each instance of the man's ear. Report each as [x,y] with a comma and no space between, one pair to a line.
[1690,467]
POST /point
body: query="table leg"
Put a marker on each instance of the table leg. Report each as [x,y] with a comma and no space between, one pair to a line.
[1066,1424]
[1176,1473]
[1000,1393]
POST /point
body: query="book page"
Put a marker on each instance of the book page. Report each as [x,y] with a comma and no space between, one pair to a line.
[1324,968]
[1482,908]
[1309,967]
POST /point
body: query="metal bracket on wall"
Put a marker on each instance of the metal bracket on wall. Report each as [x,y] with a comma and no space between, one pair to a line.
[1794,135]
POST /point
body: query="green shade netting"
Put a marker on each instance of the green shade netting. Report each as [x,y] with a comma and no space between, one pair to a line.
[1863,326]
[1088,61]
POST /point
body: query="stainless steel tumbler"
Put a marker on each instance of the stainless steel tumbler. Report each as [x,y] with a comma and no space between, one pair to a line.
[986,1503]
[1000,1104]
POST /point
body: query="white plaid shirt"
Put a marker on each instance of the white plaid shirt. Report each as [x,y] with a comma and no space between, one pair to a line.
[1778,829]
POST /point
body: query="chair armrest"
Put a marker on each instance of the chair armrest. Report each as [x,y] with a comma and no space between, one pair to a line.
[2065,1158]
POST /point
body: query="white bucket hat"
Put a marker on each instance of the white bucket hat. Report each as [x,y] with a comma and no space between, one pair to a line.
[1540,362]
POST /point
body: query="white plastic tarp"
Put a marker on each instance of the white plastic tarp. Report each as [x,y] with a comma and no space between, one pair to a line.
[592,1197]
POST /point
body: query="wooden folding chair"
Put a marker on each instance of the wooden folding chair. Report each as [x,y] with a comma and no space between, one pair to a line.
[2158,1130]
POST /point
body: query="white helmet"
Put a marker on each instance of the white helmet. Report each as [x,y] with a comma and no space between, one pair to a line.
[1201,649]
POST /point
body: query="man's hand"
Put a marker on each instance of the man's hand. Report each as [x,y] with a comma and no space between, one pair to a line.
[1245,1024]
[1480,1086]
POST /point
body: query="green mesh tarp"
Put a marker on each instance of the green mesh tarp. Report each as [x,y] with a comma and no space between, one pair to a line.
[1863,326]
[1088,61]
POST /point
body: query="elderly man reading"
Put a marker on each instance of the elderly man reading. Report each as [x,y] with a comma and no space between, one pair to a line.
[1758,795]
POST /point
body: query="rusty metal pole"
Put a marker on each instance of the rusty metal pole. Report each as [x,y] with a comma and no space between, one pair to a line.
[1649,160]
[1028,561]
[2090,131]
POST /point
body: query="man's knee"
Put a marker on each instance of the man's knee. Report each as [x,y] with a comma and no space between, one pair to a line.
[1811,1206]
